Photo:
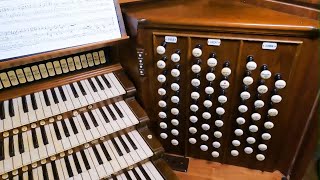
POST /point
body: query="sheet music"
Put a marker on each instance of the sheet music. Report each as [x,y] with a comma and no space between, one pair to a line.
[34,26]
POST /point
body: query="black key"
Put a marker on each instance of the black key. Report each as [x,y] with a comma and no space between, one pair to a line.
[34,138]
[117,147]
[92,85]
[106,81]
[124,144]
[11,146]
[33,102]
[85,122]
[144,172]
[56,129]
[73,126]
[114,177]
[117,109]
[44,172]
[85,160]
[104,115]
[81,88]
[136,174]
[76,95]
[99,83]
[54,96]
[24,104]
[20,142]
[30,175]
[93,119]
[76,162]
[131,142]
[11,111]
[96,153]
[63,96]
[65,129]
[46,98]
[20,176]
[111,113]
[1,150]
[44,135]
[69,169]
[2,115]
[104,149]
[127,175]
[54,170]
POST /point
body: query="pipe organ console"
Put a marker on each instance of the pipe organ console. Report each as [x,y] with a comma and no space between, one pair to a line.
[224,81]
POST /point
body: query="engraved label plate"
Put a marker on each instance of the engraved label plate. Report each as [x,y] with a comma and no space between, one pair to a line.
[21,77]
[84,61]
[13,78]
[50,69]
[1,87]
[43,71]
[57,67]
[171,39]
[102,57]
[28,73]
[90,59]
[71,64]
[214,42]
[77,62]
[96,58]
[36,72]
[64,65]
[269,45]
[5,80]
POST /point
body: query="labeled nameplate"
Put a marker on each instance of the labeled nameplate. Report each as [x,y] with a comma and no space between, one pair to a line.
[36,72]
[171,39]
[102,57]
[13,78]
[64,65]
[43,71]
[214,42]
[5,80]
[57,67]
[269,45]
[84,61]
[90,59]
[50,69]
[96,58]
[28,73]
[77,62]
[71,64]
[22,79]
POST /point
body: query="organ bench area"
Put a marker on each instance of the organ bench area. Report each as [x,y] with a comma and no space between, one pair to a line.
[230,82]
[75,117]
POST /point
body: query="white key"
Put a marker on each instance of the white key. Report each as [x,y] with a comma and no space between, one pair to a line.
[117,83]
[114,163]
[17,159]
[64,168]
[32,114]
[16,118]
[101,129]
[92,171]
[148,171]
[132,175]
[54,107]
[25,176]
[85,174]
[133,153]
[42,148]
[106,125]
[106,164]
[87,134]
[95,133]
[26,155]
[8,164]
[101,93]
[57,143]
[59,169]
[88,95]
[140,173]
[50,146]
[113,87]
[40,173]
[35,173]
[65,141]
[125,118]
[73,167]
[24,118]
[128,111]
[50,172]
[79,135]
[140,151]
[126,155]
[120,122]
[62,106]
[7,122]
[123,177]
[34,153]
[68,102]
[46,109]
[119,177]
[82,99]
[75,101]
[72,138]
[95,95]
[122,162]
[1,167]
[106,89]
[113,123]
[142,143]
[153,170]
[100,169]
[39,112]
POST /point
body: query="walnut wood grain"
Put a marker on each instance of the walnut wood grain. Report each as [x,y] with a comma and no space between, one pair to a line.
[165,169]
[152,141]
[138,111]
[125,82]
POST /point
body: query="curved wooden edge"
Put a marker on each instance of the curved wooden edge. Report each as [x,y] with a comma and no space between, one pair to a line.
[138,111]
[125,82]
[14,62]
[152,141]
[165,169]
